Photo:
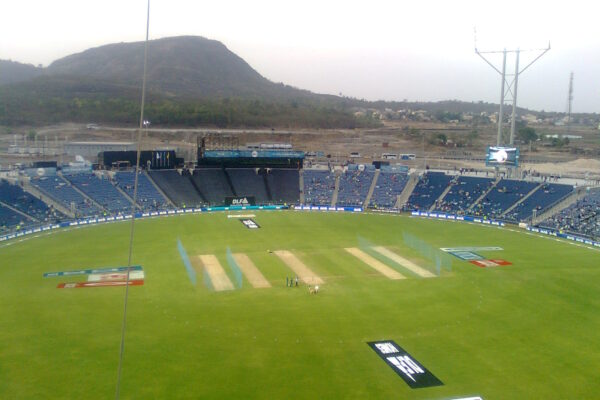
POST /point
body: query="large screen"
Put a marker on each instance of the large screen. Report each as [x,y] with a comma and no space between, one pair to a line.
[502,156]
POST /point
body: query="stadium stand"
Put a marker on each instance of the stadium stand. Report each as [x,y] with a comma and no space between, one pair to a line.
[354,185]
[213,185]
[318,187]
[389,186]
[147,196]
[540,200]
[178,187]
[284,185]
[16,197]
[582,217]
[90,194]
[505,194]
[10,219]
[465,190]
[249,182]
[101,190]
[430,187]
[62,192]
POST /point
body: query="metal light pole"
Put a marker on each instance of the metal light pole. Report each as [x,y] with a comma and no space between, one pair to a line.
[500,111]
[146,124]
[514,105]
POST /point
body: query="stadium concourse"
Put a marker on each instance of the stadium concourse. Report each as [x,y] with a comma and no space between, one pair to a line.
[54,194]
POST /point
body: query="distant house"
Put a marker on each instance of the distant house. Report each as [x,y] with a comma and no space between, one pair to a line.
[531,119]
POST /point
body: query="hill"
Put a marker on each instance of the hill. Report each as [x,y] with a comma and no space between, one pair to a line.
[14,72]
[192,81]
[184,66]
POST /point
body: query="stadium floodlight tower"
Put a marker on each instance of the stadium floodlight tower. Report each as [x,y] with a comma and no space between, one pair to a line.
[509,87]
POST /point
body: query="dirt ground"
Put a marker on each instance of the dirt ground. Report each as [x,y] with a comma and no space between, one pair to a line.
[304,273]
[218,277]
[336,144]
[254,276]
[375,264]
[411,266]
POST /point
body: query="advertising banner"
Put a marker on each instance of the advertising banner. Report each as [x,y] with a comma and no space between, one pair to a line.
[240,201]
[409,369]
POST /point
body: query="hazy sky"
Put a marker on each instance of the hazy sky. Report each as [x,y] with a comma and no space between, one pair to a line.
[392,50]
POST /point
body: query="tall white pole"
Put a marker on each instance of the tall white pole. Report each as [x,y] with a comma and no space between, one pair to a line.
[514,105]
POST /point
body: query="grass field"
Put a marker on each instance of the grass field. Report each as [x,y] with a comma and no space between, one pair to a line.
[524,331]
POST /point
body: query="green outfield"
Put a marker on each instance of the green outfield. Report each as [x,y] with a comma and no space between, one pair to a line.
[523,331]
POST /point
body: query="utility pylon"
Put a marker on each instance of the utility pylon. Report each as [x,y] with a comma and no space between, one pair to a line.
[570,104]
[507,86]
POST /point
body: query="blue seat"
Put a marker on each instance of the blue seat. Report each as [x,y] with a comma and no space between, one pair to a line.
[580,218]
[430,187]
[465,190]
[354,187]
[318,187]
[148,197]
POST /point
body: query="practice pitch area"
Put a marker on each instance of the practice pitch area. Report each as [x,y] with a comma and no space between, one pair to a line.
[407,308]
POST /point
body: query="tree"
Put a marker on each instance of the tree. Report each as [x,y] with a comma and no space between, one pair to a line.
[527,134]
[442,138]
[560,142]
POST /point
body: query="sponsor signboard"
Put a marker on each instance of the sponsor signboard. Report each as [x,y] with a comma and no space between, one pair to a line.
[118,276]
[241,216]
[92,271]
[249,223]
[468,398]
[466,255]
[484,248]
[76,285]
[409,369]
[490,263]
[240,201]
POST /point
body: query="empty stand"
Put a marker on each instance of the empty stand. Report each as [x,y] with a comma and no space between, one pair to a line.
[147,196]
[63,192]
[213,185]
[178,187]
[249,182]
[15,197]
[284,185]
[101,190]
[39,212]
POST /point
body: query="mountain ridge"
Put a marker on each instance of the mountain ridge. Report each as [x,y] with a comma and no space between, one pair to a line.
[191,80]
